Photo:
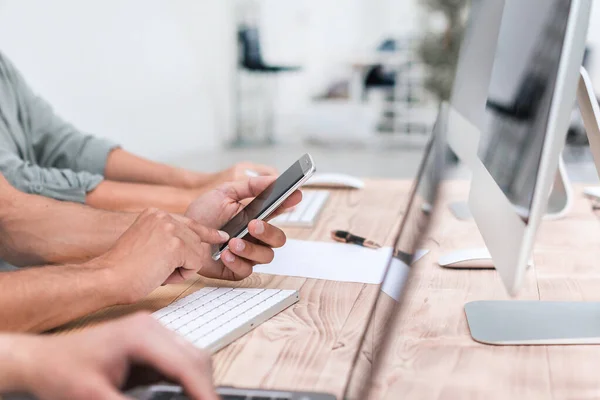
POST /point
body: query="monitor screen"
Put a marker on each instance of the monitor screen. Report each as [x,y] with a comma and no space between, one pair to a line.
[520,94]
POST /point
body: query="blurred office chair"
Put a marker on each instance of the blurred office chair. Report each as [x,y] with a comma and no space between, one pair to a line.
[378,77]
[250,60]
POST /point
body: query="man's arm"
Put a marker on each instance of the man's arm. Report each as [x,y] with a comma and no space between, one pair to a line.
[157,249]
[83,187]
[123,166]
[36,230]
[37,299]
[123,196]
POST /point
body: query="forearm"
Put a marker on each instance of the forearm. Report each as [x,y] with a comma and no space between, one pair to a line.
[40,298]
[37,230]
[123,166]
[111,195]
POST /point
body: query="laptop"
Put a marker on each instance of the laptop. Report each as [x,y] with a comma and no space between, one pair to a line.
[411,232]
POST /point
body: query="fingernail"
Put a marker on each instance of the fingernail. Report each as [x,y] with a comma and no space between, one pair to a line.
[224,235]
[260,228]
[240,245]
[229,257]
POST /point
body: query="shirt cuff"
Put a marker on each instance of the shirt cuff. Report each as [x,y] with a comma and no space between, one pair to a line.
[94,155]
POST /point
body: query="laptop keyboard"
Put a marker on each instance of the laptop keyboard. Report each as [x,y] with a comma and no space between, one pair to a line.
[236,397]
[179,396]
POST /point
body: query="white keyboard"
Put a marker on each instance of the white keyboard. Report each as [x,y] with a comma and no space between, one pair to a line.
[212,317]
[306,213]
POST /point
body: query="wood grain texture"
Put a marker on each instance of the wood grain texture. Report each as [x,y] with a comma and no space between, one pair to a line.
[310,345]
[433,356]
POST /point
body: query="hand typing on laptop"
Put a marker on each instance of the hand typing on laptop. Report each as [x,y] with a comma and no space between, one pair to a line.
[95,363]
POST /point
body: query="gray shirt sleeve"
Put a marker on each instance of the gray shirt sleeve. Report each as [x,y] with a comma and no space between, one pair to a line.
[60,184]
[58,144]
[68,163]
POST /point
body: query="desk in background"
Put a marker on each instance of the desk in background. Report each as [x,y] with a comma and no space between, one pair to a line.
[310,346]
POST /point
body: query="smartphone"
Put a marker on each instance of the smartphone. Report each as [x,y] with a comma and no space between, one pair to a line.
[267,202]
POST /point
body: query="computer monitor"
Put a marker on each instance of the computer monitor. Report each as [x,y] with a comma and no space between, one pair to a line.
[529,101]
[512,143]
[469,97]
[513,95]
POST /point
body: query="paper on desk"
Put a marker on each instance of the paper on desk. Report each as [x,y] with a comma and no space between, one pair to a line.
[395,279]
[331,261]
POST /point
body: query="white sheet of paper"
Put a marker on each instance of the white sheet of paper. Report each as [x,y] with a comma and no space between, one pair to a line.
[331,261]
[396,276]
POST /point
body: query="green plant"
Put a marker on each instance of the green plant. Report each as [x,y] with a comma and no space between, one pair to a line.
[439,49]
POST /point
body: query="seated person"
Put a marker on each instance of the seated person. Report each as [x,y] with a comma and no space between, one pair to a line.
[110,258]
[42,154]
[95,363]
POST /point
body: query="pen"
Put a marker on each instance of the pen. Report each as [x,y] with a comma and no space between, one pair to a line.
[347,237]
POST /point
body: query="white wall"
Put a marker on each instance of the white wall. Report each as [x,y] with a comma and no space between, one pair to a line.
[156,75]
[324,37]
[153,75]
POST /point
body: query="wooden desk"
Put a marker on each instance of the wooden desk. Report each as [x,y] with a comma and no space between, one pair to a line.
[310,345]
[434,356]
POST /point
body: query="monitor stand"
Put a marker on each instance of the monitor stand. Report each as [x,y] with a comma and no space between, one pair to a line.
[559,202]
[512,322]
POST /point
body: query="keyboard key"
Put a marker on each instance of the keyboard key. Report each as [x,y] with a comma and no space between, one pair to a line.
[207,316]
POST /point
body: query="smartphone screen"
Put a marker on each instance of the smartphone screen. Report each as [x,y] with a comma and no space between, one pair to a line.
[263,201]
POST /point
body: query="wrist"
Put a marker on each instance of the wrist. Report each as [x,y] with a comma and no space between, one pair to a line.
[190,179]
[108,282]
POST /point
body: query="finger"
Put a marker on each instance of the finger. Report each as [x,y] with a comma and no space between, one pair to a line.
[89,385]
[107,392]
[240,267]
[195,248]
[207,235]
[180,275]
[251,187]
[186,244]
[255,253]
[174,357]
[267,233]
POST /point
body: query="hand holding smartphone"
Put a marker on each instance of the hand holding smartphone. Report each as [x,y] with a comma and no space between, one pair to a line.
[263,205]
